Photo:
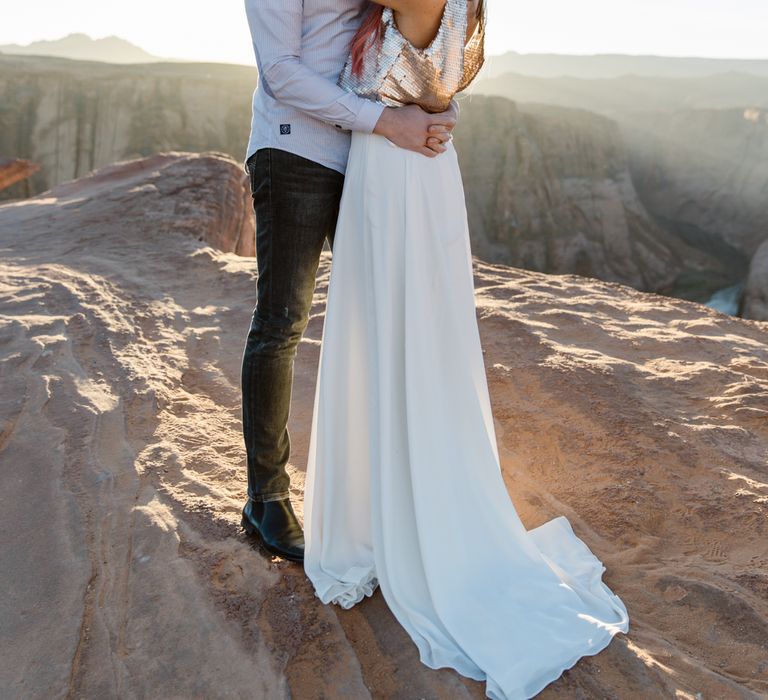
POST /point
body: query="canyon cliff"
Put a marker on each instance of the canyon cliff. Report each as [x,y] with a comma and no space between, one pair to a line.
[705,170]
[74,116]
[550,189]
[703,174]
[697,151]
[547,188]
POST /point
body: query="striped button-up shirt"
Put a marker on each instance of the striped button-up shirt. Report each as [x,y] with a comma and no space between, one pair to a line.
[301,48]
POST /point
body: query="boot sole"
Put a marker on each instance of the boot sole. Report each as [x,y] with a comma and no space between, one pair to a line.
[252,530]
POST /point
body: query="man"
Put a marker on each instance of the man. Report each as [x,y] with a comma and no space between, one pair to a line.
[296,158]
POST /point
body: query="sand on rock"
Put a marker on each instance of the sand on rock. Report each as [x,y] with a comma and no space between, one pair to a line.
[123,311]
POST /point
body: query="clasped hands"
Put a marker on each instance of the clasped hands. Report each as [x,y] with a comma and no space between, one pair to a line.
[413,128]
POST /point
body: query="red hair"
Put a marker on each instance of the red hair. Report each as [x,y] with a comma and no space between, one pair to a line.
[369,30]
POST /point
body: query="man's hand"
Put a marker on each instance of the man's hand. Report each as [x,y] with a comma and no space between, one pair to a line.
[409,127]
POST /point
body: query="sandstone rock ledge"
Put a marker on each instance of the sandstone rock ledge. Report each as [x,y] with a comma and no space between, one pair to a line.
[13,170]
[644,419]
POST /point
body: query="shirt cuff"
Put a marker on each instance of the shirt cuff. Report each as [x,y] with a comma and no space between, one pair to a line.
[368,116]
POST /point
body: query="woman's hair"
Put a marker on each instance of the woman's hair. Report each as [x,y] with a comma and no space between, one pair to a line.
[370,30]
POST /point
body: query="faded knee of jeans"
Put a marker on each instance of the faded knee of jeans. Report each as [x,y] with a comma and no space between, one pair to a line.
[275,337]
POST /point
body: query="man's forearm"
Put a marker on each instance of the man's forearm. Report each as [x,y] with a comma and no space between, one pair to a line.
[291,82]
[276,30]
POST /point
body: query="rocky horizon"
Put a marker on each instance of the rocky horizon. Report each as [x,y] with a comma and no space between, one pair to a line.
[550,188]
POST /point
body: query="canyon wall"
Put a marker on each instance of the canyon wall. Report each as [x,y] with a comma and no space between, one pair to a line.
[548,188]
[74,116]
[704,174]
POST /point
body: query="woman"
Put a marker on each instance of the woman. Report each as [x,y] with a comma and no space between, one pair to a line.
[404,488]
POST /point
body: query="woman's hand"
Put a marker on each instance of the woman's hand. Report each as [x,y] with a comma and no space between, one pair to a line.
[441,133]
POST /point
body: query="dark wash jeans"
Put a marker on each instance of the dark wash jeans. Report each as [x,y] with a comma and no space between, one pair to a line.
[297,204]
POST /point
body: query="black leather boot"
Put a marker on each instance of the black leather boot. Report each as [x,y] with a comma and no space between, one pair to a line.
[276,527]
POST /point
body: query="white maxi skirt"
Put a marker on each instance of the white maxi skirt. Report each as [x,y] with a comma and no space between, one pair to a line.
[404,489]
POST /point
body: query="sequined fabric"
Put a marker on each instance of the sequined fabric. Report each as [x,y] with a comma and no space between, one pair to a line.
[396,73]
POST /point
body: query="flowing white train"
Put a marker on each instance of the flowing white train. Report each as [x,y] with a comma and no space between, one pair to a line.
[404,487]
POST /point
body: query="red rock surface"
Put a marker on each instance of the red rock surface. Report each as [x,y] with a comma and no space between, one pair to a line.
[13,170]
[644,419]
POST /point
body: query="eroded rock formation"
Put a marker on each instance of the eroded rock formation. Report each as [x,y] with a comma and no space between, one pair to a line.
[13,170]
[644,419]
[549,189]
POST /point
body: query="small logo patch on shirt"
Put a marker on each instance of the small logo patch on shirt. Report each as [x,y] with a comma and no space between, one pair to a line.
[285,129]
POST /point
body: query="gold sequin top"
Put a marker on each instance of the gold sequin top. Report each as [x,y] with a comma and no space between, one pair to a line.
[396,73]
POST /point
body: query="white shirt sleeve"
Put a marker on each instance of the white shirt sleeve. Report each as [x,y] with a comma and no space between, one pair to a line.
[276,32]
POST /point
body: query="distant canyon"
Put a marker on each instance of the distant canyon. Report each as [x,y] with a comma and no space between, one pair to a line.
[658,183]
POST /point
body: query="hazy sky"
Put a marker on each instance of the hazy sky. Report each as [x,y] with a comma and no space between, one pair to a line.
[217,31]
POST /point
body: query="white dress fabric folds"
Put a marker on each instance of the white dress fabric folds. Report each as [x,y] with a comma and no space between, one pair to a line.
[404,487]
